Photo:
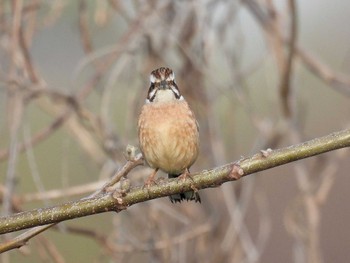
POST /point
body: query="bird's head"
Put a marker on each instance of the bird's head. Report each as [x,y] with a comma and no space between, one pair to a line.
[163,87]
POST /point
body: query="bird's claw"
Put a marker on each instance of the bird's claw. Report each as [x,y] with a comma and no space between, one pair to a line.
[186,174]
[149,182]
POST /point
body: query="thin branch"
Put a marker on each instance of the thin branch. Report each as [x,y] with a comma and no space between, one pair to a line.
[27,57]
[22,239]
[116,201]
[339,81]
[61,193]
[287,73]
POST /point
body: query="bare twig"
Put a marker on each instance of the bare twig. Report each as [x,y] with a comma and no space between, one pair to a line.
[22,239]
[122,172]
[288,67]
[60,193]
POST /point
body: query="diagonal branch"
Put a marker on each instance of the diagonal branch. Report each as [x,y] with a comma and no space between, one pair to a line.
[118,201]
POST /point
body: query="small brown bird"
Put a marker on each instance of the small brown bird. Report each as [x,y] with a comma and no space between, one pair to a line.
[168,131]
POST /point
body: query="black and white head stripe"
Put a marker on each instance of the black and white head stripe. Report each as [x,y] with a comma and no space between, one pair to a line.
[175,90]
[151,93]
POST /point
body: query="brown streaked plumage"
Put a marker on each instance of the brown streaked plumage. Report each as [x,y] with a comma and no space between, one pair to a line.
[168,131]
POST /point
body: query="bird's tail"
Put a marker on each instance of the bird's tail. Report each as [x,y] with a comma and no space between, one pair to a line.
[188,196]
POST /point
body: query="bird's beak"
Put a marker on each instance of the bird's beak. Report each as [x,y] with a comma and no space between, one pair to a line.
[163,85]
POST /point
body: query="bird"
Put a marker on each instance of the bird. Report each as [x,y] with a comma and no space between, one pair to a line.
[168,131]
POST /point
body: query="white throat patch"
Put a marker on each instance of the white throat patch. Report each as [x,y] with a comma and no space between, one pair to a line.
[164,96]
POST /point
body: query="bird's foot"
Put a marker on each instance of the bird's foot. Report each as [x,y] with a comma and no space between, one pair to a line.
[150,180]
[189,195]
[186,174]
